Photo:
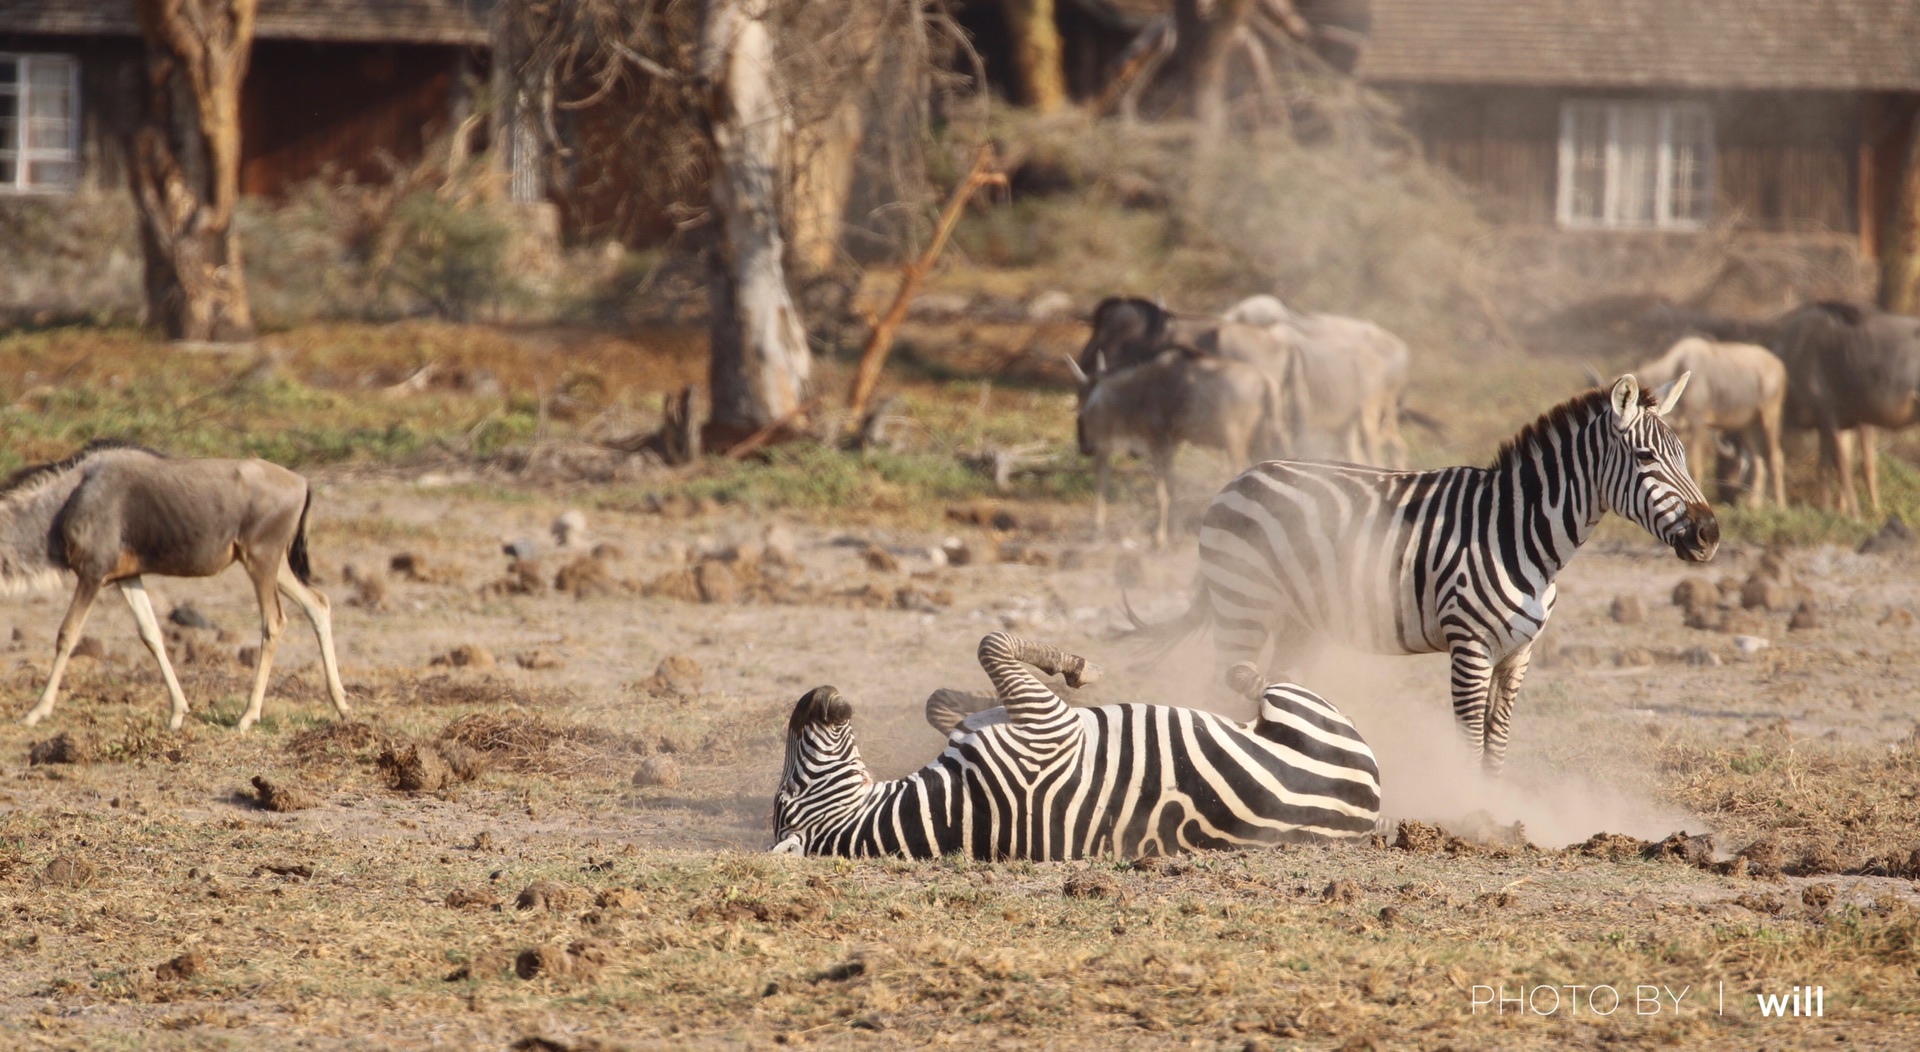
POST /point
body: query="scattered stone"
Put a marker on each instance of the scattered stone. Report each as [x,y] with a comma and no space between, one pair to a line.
[1627,610]
[677,674]
[660,770]
[1707,618]
[68,871]
[185,966]
[64,747]
[472,899]
[1089,884]
[1894,536]
[1762,593]
[538,660]
[1897,617]
[1341,892]
[1750,645]
[1695,590]
[956,551]
[545,895]
[584,577]
[880,559]
[1805,616]
[1701,657]
[716,582]
[1817,897]
[274,796]
[186,616]
[570,529]
[466,655]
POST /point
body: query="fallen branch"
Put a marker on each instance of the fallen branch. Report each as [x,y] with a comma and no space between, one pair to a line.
[985,172]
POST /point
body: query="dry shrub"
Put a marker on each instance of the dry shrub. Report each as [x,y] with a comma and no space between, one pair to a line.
[528,743]
[466,655]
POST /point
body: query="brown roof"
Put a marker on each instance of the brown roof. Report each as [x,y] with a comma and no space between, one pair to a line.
[1783,44]
[385,21]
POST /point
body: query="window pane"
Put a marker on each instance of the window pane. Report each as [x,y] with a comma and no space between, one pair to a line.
[1692,146]
[55,101]
[6,171]
[50,174]
[1637,165]
[1589,163]
[9,71]
[47,135]
[47,72]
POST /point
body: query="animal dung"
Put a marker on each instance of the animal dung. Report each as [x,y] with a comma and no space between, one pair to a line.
[1627,610]
[1763,593]
[185,966]
[61,748]
[1701,657]
[716,582]
[584,577]
[538,660]
[466,655]
[426,767]
[1695,591]
[880,559]
[186,616]
[658,770]
[677,674]
[472,899]
[280,796]
[546,895]
[1805,616]
[1340,892]
[68,871]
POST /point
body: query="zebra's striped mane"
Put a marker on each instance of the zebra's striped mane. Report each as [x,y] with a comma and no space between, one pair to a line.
[20,479]
[1571,413]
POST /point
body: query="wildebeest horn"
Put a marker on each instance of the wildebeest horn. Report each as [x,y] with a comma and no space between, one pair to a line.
[1079,374]
[1593,375]
[1099,363]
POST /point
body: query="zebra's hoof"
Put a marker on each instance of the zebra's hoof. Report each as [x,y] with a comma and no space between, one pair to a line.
[1081,672]
[1244,679]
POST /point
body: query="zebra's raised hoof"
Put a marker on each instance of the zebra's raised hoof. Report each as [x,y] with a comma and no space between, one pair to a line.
[1245,680]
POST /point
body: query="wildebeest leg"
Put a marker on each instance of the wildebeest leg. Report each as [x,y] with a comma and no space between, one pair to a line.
[320,614]
[135,592]
[1162,492]
[1776,460]
[70,626]
[1506,686]
[1833,460]
[273,620]
[1869,466]
[1102,473]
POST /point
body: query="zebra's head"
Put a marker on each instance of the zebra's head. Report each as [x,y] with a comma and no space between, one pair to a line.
[824,779]
[1644,470]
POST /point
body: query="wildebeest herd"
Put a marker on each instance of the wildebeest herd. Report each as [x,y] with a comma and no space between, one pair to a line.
[1294,552]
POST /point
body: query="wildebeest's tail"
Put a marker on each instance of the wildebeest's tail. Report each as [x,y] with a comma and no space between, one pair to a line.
[297,554]
[1157,639]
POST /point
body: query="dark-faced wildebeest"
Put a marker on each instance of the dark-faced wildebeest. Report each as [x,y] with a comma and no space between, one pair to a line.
[112,512]
[1849,366]
[1178,396]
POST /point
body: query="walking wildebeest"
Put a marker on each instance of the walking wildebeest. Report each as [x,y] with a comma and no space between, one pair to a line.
[112,512]
[1738,388]
[1347,379]
[1849,366]
[1178,396]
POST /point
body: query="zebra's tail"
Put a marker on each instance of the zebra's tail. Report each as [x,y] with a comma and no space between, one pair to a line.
[1157,639]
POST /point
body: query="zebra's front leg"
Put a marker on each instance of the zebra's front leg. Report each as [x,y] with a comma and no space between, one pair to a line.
[1506,686]
[1471,681]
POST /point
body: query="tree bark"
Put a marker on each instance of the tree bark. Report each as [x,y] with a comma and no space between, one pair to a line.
[759,365]
[1037,64]
[185,173]
[1900,258]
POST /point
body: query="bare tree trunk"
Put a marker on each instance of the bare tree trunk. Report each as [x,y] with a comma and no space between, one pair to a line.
[1900,258]
[760,364]
[1037,65]
[186,166]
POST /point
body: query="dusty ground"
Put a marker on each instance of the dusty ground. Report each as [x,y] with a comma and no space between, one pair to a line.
[152,901]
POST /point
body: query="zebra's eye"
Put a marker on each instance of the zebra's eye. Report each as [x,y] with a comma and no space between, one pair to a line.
[1645,456]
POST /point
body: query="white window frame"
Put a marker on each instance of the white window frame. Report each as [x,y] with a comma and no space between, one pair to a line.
[24,155]
[1663,214]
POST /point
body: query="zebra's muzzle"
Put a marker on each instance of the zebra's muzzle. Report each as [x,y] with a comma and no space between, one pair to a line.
[1700,537]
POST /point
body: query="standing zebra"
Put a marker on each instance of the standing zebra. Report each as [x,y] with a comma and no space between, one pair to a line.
[1052,782]
[1460,560]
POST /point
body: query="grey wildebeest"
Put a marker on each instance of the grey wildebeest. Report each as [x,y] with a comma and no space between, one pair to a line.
[1736,388]
[1347,378]
[113,512]
[1849,366]
[1177,396]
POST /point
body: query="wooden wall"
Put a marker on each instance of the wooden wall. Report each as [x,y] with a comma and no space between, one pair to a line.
[1782,161]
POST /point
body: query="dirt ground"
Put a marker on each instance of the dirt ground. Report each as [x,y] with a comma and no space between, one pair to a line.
[584,868]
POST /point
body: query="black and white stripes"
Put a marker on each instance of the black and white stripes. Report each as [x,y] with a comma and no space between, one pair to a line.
[1460,560]
[1053,782]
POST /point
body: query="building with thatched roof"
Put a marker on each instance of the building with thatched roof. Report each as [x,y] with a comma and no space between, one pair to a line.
[342,85]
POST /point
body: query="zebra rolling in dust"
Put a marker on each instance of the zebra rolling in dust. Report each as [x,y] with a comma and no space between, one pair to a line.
[1460,560]
[1049,782]
[112,512]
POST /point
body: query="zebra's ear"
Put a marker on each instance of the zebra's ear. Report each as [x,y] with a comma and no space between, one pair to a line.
[1625,399]
[1667,395]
